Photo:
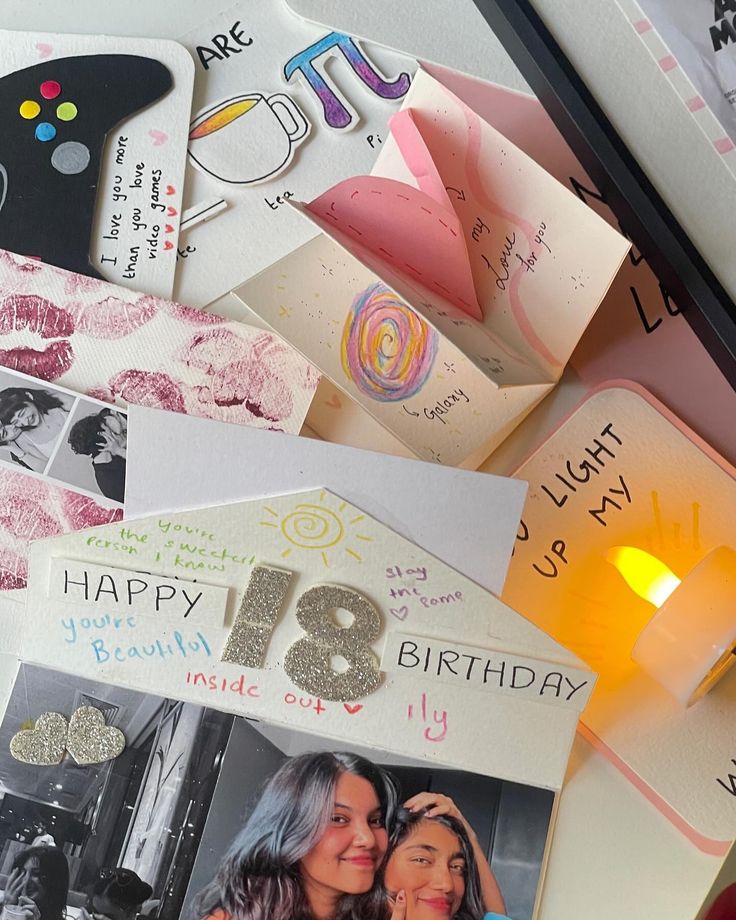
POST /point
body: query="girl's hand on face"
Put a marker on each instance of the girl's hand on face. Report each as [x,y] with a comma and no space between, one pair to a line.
[399,906]
[14,887]
[29,908]
[114,443]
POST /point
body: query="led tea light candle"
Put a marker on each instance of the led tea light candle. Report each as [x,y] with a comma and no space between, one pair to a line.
[690,642]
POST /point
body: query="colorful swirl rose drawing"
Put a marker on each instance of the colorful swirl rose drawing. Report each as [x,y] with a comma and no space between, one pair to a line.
[387,349]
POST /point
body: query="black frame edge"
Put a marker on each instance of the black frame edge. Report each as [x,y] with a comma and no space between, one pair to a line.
[647,220]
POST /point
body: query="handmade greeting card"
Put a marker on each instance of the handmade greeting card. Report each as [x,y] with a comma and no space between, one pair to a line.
[446,292]
[304,612]
[625,554]
[282,109]
[100,122]
[114,345]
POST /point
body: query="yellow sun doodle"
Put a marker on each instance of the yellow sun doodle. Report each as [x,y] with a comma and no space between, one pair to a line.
[317,527]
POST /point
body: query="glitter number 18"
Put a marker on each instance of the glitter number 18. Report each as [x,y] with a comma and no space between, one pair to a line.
[309,661]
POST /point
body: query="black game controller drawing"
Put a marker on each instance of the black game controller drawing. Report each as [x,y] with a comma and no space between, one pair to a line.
[55,118]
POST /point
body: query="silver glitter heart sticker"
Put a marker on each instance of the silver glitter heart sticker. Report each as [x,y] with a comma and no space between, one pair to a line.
[44,744]
[89,740]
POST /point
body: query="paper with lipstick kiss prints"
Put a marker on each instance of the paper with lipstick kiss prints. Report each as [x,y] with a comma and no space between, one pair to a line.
[448,290]
[123,347]
[102,340]
[320,539]
[124,225]
[282,109]
[32,508]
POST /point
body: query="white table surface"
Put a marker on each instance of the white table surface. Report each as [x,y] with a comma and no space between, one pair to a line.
[614,856]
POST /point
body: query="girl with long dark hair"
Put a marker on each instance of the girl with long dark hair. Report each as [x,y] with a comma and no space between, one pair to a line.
[30,419]
[38,884]
[312,846]
[436,869]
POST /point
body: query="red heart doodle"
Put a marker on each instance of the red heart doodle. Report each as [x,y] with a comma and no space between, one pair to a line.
[171,211]
[168,245]
[401,614]
[351,710]
[334,402]
[169,228]
[170,189]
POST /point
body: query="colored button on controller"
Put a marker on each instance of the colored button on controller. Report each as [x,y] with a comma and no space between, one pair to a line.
[29,109]
[66,111]
[45,131]
[50,89]
[70,158]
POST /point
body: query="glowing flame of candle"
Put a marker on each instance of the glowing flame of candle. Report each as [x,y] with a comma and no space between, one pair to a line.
[643,573]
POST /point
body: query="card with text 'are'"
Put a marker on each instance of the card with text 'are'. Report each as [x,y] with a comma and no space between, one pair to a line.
[282,109]
[447,291]
[626,555]
[102,122]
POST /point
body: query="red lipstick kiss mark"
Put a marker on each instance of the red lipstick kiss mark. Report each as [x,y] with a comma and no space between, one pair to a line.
[27,519]
[243,383]
[82,511]
[334,402]
[23,267]
[13,571]
[351,710]
[36,314]
[27,311]
[49,364]
[192,315]
[113,318]
[32,509]
[148,388]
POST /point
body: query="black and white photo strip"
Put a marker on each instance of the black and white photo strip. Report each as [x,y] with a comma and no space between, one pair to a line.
[208,815]
[73,440]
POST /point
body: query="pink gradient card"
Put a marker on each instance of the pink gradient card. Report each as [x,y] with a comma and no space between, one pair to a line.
[621,470]
[637,332]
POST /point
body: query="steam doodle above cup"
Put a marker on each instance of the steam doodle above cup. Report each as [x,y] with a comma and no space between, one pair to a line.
[247,138]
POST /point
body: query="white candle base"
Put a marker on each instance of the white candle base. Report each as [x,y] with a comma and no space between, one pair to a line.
[687,646]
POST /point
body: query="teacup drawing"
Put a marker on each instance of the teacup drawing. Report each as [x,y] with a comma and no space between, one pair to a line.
[248,138]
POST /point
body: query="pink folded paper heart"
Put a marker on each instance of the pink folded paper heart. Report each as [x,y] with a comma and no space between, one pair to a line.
[415,230]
